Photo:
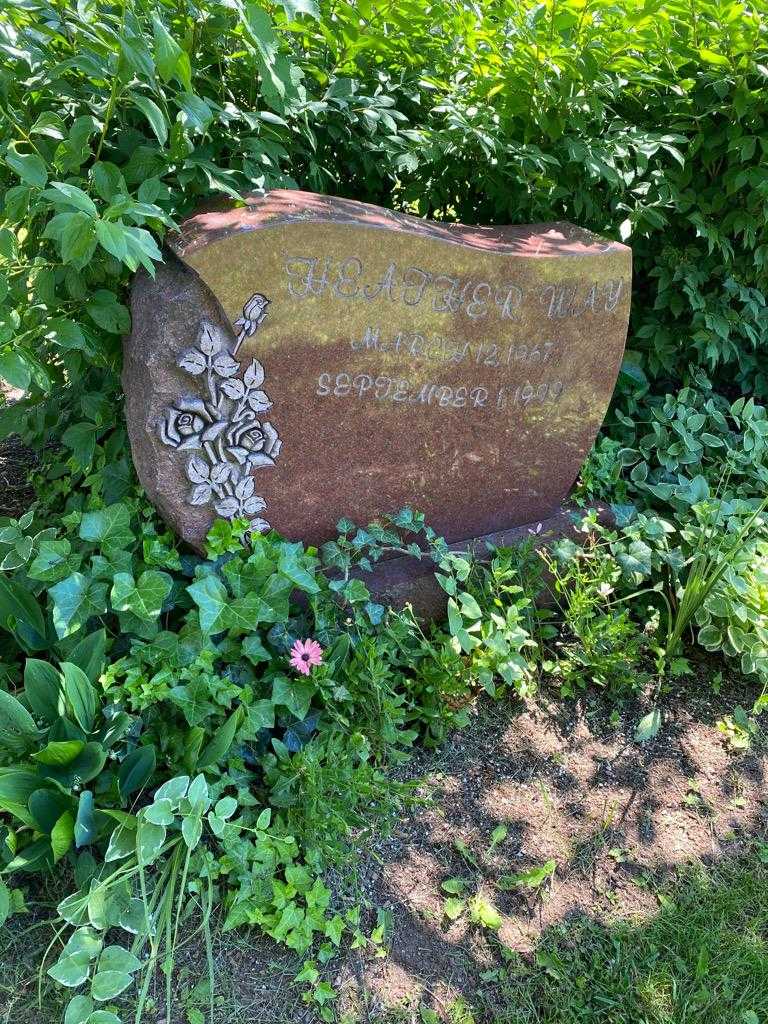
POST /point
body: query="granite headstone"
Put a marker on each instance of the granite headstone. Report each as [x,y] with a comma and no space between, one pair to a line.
[304,358]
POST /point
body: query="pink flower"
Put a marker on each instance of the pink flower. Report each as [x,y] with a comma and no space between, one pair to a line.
[305,654]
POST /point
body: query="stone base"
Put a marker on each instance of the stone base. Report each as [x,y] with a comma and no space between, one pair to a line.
[400,581]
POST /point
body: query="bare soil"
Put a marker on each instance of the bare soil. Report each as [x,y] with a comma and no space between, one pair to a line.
[568,785]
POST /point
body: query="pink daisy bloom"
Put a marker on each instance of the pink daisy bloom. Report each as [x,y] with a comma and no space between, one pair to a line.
[305,654]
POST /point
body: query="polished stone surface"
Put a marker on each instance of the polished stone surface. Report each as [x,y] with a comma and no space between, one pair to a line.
[354,361]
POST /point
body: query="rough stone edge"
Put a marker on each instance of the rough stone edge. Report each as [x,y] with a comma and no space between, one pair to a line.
[170,307]
[403,580]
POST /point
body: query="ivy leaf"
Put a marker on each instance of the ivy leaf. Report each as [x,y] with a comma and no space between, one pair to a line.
[294,694]
[109,527]
[210,595]
[143,597]
[81,438]
[75,600]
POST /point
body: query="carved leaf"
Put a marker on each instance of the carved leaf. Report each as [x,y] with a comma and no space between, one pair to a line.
[260,525]
[254,504]
[200,495]
[244,488]
[233,388]
[225,365]
[212,432]
[228,507]
[239,453]
[221,472]
[258,401]
[192,361]
[197,470]
[258,460]
[210,340]
[254,375]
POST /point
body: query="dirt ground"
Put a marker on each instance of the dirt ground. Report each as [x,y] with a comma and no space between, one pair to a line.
[568,786]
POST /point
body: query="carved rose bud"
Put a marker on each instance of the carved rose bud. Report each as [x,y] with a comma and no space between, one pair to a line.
[189,423]
[253,443]
[254,314]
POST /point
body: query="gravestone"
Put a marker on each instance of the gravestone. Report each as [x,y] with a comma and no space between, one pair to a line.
[302,358]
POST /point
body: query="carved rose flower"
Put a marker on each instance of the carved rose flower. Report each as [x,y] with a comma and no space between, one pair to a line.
[190,422]
[251,442]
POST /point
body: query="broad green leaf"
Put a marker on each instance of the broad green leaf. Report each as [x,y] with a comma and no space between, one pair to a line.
[112,236]
[530,879]
[19,609]
[42,688]
[5,902]
[122,843]
[17,727]
[80,694]
[59,753]
[79,1010]
[136,770]
[159,813]
[108,313]
[150,839]
[29,166]
[484,913]
[70,195]
[648,726]
[106,985]
[453,907]
[218,746]
[71,971]
[116,958]
[174,790]
[154,115]
[62,835]
[89,654]
[170,59]
[85,823]
[15,370]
